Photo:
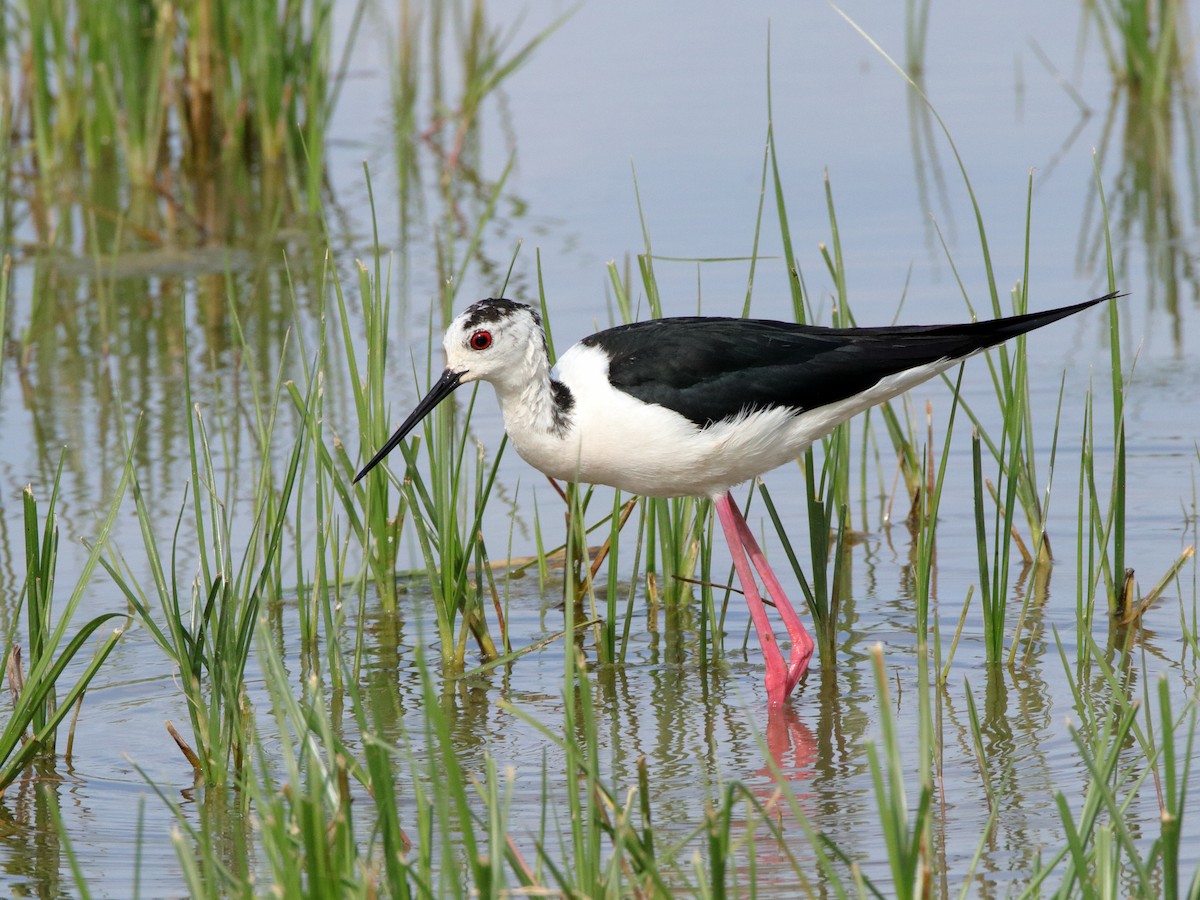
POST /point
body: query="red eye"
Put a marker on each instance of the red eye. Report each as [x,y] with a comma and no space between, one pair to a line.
[480,340]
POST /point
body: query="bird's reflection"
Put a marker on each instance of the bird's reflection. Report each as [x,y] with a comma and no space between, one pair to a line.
[791,745]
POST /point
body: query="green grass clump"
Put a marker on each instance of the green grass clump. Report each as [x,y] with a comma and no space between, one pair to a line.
[163,116]
[206,622]
[445,506]
[31,731]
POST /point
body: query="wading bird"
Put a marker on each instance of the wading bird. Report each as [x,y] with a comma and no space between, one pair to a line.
[696,405]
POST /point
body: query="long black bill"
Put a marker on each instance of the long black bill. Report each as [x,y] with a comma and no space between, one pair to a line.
[442,389]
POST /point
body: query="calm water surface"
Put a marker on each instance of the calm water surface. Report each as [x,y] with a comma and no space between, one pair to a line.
[681,95]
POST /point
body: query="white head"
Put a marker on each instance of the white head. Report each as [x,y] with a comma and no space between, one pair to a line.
[497,341]
[500,341]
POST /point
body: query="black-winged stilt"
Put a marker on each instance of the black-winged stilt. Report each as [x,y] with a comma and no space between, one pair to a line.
[693,406]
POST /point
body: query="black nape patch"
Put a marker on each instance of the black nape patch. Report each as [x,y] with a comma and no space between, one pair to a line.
[564,402]
[497,309]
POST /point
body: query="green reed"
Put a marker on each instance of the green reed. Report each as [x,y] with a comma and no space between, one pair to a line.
[1150,137]
[1101,513]
[1102,853]
[380,527]
[1145,43]
[906,840]
[910,854]
[325,463]
[1015,484]
[8,207]
[907,832]
[822,601]
[1173,775]
[445,506]
[307,813]
[448,509]
[675,533]
[38,710]
[305,828]
[449,62]
[208,633]
[177,108]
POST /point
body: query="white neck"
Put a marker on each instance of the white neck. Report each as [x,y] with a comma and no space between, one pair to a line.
[527,399]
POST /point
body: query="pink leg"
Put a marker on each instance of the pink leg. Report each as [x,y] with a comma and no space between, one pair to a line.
[802,643]
[781,679]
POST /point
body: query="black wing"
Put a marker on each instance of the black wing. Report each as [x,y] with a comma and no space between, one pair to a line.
[709,369]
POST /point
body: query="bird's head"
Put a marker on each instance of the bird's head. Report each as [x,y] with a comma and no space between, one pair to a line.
[493,340]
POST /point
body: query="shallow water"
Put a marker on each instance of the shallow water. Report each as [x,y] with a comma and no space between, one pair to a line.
[700,730]
[683,97]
